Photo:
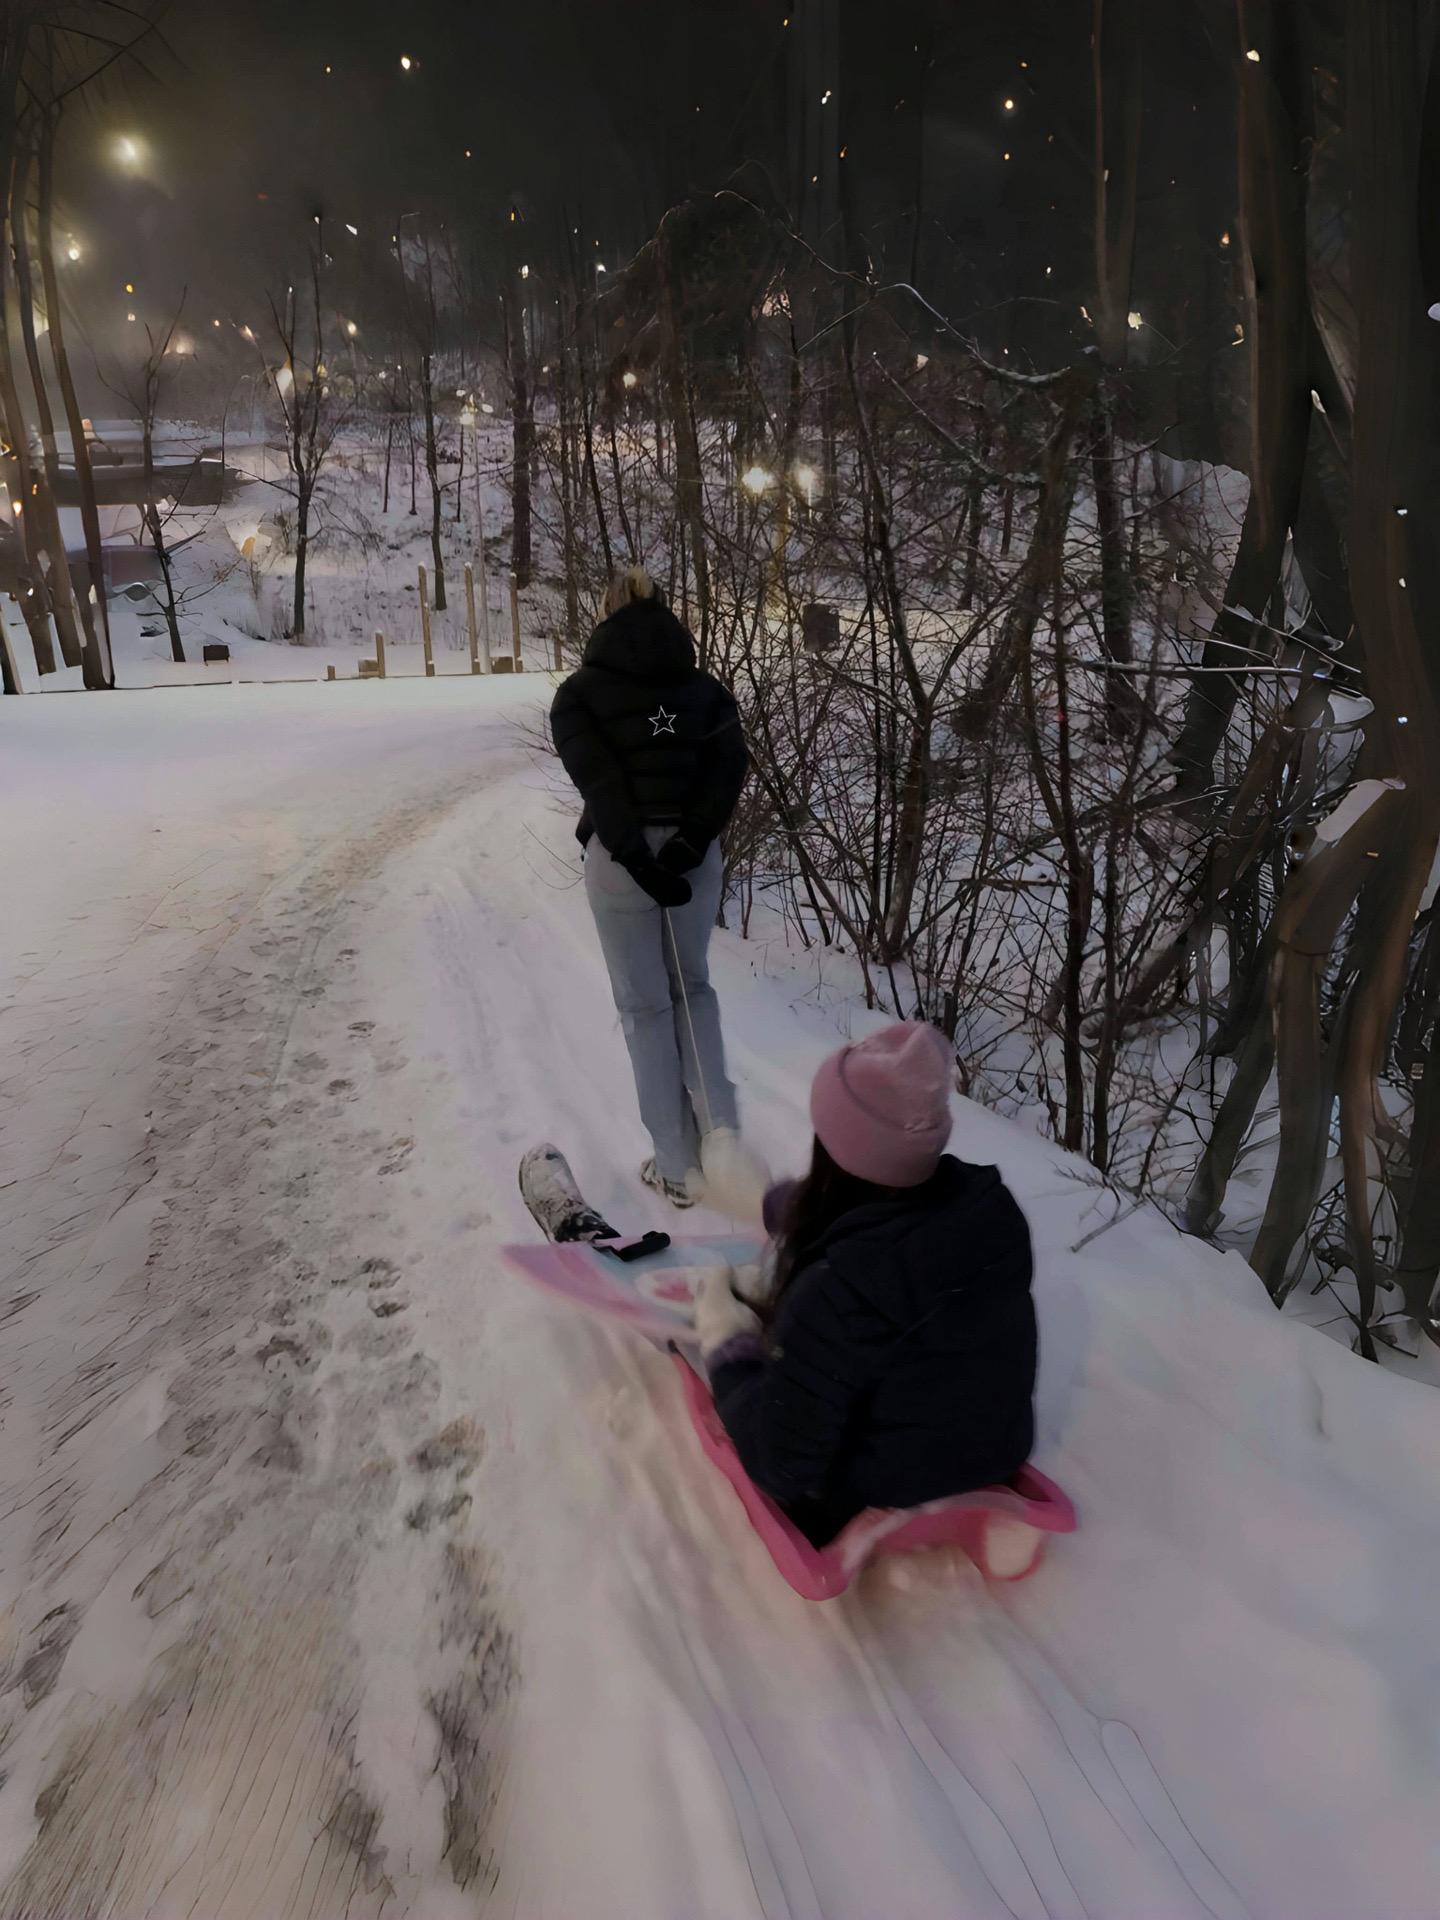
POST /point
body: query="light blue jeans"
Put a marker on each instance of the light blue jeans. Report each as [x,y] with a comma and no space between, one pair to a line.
[678,1059]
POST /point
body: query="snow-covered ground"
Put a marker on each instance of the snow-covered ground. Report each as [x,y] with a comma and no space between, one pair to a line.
[341,1574]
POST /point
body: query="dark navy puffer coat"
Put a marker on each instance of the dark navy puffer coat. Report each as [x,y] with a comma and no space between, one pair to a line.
[900,1366]
[648,738]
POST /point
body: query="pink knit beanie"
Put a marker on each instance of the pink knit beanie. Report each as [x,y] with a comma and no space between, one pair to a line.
[881,1107]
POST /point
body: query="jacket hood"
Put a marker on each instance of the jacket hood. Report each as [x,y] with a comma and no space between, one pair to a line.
[956,1186]
[645,642]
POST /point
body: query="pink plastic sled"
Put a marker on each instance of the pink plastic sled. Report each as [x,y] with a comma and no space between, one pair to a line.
[1002,1529]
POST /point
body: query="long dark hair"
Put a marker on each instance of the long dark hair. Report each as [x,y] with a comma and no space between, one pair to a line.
[818,1201]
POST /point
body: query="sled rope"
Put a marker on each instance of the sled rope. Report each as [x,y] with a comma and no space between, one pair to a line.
[689,1022]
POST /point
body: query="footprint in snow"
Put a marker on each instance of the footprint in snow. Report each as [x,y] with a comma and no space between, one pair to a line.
[425,1513]
[461,1445]
[399,1151]
[382,1309]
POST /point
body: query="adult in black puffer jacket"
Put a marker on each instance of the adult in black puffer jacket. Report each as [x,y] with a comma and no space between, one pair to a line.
[656,750]
[898,1364]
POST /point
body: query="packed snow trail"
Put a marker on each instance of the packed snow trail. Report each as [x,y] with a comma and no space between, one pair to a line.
[344,1574]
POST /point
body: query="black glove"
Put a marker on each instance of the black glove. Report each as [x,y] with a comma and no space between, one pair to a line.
[680,854]
[664,888]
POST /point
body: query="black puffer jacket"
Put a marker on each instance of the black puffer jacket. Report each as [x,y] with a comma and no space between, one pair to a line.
[901,1362]
[647,738]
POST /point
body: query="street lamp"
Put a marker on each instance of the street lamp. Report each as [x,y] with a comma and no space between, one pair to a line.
[129,150]
[757,480]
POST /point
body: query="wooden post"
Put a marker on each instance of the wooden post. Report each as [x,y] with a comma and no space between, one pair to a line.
[425,626]
[475,666]
[380,655]
[515,625]
[330,672]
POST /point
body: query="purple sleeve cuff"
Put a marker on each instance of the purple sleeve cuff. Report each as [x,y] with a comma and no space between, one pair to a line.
[776,1205]
[747,1348]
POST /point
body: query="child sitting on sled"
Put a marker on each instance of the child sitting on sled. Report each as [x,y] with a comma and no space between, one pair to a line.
[887,1356]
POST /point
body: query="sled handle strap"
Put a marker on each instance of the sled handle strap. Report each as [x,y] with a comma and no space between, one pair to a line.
[689,1022]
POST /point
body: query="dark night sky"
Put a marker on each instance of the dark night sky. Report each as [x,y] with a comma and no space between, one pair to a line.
[596,112]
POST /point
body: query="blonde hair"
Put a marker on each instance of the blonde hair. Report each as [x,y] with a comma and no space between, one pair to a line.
[627,586]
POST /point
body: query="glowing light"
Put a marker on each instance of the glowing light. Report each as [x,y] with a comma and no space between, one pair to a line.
[1005,156]
[1135,320]
[809,479]
[1253,53]
[351,328]
[825,97]
[629,379]
[18,506]
[72,252]
[247,333]
[350,229]
[600,266]
[329,69]
[1225,238]
[467,153]
[757,479]
[130,316]
[524,273]
[1009,106]
[214,323]
[922,360]
[128,150]
[129,286]
[406,63]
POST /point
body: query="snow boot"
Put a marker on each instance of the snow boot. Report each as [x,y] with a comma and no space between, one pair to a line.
[680,1193]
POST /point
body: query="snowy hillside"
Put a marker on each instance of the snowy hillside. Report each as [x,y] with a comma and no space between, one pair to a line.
[340,1574]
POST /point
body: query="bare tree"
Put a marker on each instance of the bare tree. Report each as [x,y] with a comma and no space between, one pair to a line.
[310,407]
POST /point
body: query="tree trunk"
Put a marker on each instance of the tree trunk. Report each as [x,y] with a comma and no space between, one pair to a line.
[569,501]
[302,551]
[1278,334]
[156,527]
[432,470]
[689,485]
[69,615]
[1393,101]
[522,430]
[1122,695]
[1116,43]
[99,671]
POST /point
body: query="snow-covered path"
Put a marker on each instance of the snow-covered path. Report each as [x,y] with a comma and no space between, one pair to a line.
[340,1574]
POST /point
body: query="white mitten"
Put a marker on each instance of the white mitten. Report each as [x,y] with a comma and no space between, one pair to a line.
[719,1316]
[755,1282]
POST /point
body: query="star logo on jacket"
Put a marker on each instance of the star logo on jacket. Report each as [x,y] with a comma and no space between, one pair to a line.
[662,722]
